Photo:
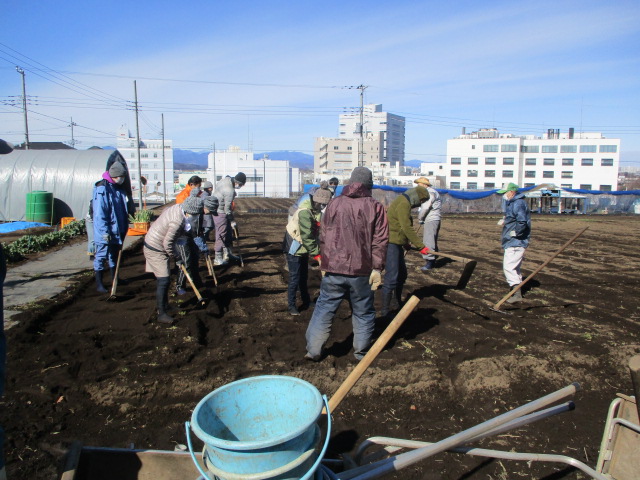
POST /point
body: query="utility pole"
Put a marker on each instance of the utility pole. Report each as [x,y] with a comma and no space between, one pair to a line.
[135,93]
[24,108]
[362,88]
[164,171]
[73,141]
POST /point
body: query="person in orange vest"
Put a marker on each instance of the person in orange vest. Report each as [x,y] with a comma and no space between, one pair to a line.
[193,182]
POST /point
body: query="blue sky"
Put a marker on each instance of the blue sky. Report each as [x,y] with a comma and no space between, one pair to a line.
[275,74]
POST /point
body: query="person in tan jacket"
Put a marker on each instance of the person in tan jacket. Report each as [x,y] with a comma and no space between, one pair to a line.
[161,243]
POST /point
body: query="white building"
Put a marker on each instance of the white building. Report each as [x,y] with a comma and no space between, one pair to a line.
[487,159]
[265,177]
[339,156]
[389,126]
[151,164]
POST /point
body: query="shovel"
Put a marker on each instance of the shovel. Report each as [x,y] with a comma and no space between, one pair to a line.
[201,300]
[115,278]
[210,268]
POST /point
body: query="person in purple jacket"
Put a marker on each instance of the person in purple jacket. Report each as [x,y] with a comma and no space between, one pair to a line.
[354,234]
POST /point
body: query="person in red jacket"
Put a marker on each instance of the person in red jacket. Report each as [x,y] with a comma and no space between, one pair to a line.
[354,234]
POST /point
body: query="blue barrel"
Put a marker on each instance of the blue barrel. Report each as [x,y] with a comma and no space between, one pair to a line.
[39,207]
[260,427]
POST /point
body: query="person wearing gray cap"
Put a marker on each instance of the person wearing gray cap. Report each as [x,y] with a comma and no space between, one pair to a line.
[109,206]
[207,218]
[301,242]
[223,219]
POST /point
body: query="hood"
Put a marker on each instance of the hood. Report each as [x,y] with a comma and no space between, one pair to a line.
[108,178]
[417,195]
[356,190]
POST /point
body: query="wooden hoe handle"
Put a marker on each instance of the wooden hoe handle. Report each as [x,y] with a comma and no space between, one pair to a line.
[373,352]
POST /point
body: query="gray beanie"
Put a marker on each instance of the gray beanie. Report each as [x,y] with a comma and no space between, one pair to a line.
[117,170]
[211,203]
[206,185]
[362,175]
[322,196]
[193,204]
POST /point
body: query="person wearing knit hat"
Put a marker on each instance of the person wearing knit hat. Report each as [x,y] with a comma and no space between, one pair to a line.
[223,219]
[401,237]
[429,217]
[354,233]
[300,243]
[187,245]
[207,217]
[109,206]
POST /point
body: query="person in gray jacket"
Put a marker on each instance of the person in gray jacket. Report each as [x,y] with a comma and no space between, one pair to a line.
[429,217]
[516,232]
[207,218]
[223,219]
[161,243]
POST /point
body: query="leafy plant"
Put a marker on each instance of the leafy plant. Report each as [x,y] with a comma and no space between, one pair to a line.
[141,216]
[15,251]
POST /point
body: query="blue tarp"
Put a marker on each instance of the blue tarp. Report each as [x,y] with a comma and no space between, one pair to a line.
[13,226]
[477,194]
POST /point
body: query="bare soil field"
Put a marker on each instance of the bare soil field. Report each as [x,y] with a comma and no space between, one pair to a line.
[107,374]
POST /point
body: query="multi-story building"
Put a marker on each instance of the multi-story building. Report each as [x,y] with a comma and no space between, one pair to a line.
[487,159]
[151,161]
[389,126]
[339,156]
[265,177]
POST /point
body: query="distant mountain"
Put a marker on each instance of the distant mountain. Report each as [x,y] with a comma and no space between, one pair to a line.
[296,159]
[190,160]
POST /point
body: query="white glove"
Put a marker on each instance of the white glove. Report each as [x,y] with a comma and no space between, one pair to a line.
[512,233]
[501,221]
[375,279]
[234,225]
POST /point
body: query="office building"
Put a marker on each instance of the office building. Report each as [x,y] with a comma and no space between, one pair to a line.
[487,159]
[151,161]
[339,156]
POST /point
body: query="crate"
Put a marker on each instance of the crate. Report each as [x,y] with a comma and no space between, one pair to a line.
[64,221]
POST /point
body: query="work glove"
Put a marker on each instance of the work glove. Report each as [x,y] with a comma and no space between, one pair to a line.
[421,222]
[375,279]
[512,233]
[106,237]
[501,221]
[234,225]
[179,261]
[317,258]
[424,251]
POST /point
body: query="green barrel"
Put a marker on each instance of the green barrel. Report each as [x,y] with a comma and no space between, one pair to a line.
[39,206]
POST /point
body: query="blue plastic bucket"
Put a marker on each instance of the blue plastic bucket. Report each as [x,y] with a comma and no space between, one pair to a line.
[260,427]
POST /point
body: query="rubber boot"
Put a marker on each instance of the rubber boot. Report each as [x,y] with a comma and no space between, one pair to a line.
[219,260]
[386,303]
[99,285]
[516,297]
[399,303]
[429,265]
[162,300]
[121,281]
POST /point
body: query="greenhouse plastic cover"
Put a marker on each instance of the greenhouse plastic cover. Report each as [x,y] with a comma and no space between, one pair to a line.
[69,174]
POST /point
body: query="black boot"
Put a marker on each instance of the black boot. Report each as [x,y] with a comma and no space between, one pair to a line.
[399,303]
[99,285]
[162,300]
[386,303]
[121,281]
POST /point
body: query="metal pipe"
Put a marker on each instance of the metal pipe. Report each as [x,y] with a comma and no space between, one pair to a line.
[482,452]
[409,458]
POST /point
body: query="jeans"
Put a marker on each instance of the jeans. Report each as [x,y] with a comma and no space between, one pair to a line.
[105,251]
[395,270]
[430,237]
[298,274]
[333,289]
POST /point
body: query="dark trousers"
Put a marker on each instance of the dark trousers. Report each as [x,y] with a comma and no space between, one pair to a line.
[298,274]
[395,270]
[190,255]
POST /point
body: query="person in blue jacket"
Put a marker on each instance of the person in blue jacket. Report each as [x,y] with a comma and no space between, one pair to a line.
[110,220]
[516,231]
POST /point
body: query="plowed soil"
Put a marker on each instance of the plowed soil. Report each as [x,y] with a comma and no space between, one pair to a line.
[107,374]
